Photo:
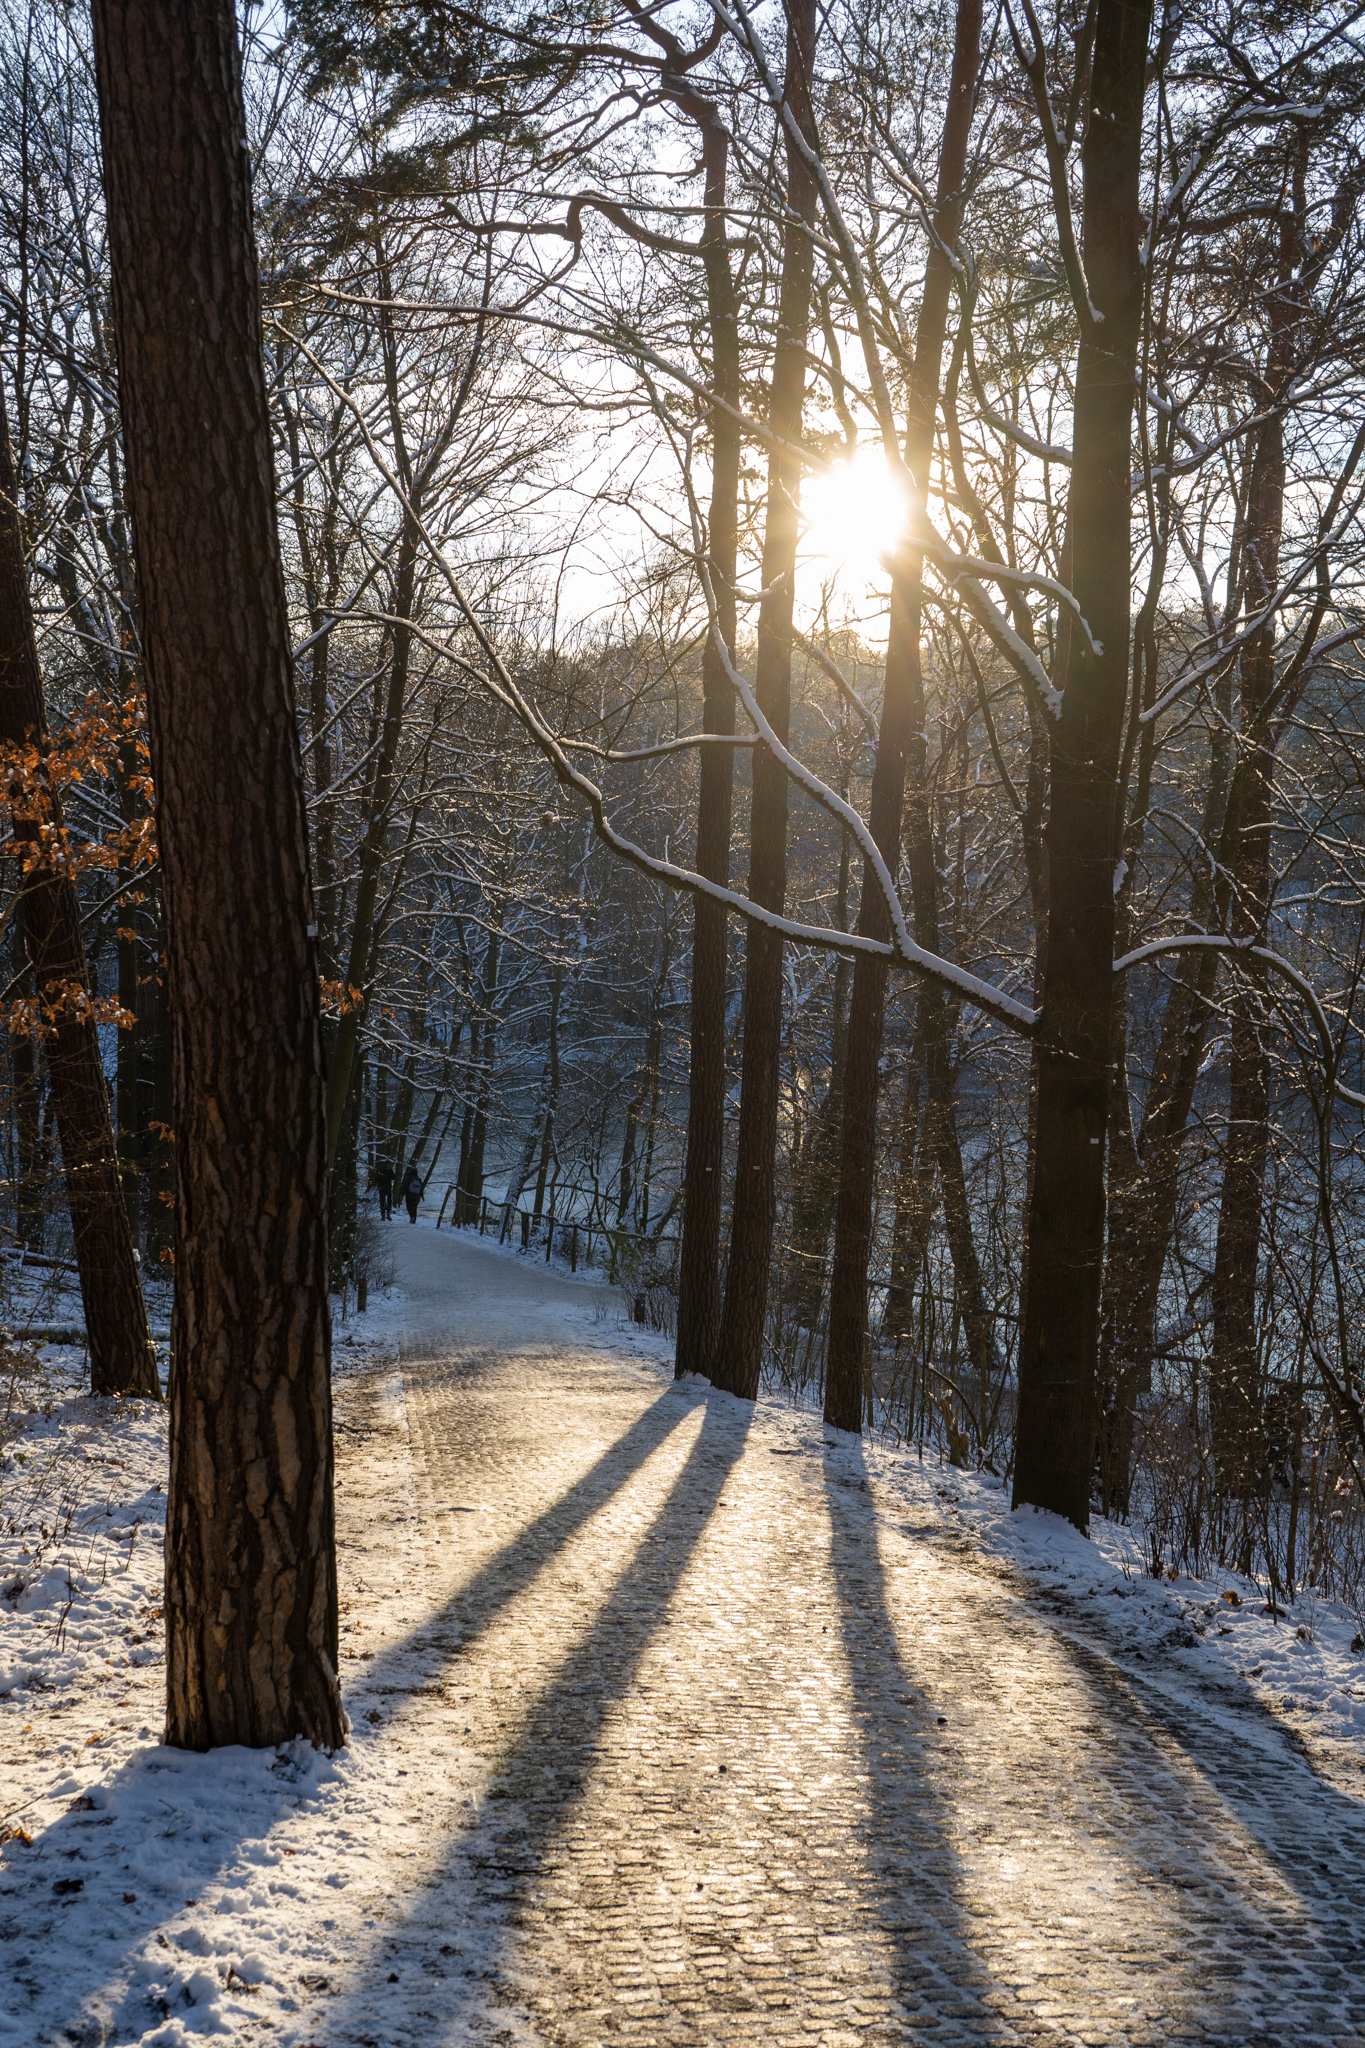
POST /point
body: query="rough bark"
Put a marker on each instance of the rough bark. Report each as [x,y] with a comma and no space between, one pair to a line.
[251,1599]
[1059,1338]
[739,1351]
[901,734]
[122,1360]
[699,1299]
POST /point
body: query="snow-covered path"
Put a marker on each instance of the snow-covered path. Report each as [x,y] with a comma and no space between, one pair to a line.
[760,1764]
[676,1723]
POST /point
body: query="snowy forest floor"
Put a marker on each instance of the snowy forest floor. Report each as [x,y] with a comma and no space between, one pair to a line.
[674,1720]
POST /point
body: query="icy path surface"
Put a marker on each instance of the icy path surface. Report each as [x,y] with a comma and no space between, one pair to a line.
[763,1764]
[676,1723]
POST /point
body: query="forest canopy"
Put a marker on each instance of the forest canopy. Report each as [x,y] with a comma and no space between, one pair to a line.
[823,558]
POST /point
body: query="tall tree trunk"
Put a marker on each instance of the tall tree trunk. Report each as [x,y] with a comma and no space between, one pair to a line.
[127,1104]
[739,1350]
[1234,1388]
[521,1172]
[909,1233]
[901,733]
[1144,1175]
[28,1193]
[159,1133]
[343,1194]
[649,1092]
[122,1360]
[704,1172]
[251,1594]
[463,1204]
[478,1137]
[366,938]
[1058,1353]
[547,1143]
[815,1172]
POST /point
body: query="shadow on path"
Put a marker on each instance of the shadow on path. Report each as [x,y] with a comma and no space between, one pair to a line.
[1073,1846]
[545,1771]
[508,1573]
[912,1872]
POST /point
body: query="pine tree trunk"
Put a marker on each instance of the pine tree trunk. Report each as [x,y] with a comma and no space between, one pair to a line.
[901,730]
[122,1360]
[704,1173]
[1059,1340]
[251,1597]
[739,1350]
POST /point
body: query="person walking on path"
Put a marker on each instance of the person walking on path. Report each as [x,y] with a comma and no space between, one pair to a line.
[383,1180]
[412,1192]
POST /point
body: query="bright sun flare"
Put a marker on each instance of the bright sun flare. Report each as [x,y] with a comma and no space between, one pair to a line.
[853,515]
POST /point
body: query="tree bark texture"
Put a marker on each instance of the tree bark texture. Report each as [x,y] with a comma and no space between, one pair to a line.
[699,1298]
[1060,1323]
[739,1351]
[251,1599]
[901,730]
[122,1360]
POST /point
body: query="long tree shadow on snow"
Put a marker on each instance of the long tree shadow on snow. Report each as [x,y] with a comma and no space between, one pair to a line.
[267,1791]
[545,1773]
[511,1569]
[1097,1770]
[1238,1770]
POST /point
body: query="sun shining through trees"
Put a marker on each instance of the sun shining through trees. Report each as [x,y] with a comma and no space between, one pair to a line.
[853,515]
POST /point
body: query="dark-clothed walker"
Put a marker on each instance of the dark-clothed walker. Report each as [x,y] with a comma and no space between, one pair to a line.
[412,1192]
[383,1180]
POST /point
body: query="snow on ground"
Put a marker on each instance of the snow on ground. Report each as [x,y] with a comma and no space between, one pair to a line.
[165,1897]
[1305,1664]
